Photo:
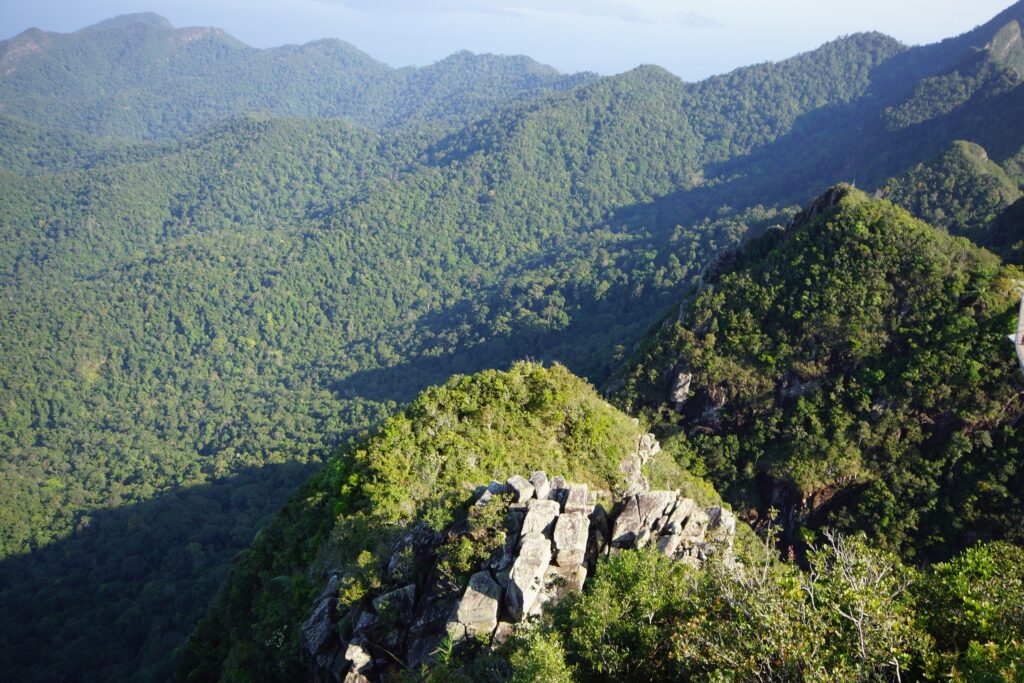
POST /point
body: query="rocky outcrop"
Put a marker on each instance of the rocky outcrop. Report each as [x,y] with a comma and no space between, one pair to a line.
[680,390]
[477,611]
[554,533]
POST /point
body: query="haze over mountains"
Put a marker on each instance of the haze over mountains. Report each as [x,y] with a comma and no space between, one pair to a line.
[219,263]
[137,75]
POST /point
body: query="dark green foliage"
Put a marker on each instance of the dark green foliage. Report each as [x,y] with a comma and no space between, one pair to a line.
[117,597]
[178,311]
[854,367]
[978,76]
[962,191]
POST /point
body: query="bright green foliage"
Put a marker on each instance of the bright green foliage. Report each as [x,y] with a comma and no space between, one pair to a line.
[421,465]
[858,358]
[491,425]
[644,617]
[975,610]
[540,656]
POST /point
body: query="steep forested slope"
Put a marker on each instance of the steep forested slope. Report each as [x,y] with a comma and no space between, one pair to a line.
[966,193]
[961,191]
[139,76]
[421,467]
[180,311]
[851,370]
[362,525]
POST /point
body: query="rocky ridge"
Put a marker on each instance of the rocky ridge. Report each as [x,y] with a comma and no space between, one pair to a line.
[551,534]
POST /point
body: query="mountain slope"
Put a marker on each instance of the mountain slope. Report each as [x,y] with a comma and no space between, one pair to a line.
[962,191]
[851,370]
[422,465]
[181,311]
[138,76]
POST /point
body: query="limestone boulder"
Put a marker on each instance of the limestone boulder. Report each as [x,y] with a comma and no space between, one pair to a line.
[364,624]
[477,611]
[358,658]
[541,485]
[571,534]
[684,507]
[680,389]
[503,632]
[647,448]
[598,534]
[540,517]
[526,579]
[627,525]
[397,604]
[318,629]
[721,523]
[558,582]
[652,505]
[520,488]
[578,499]
[695,526]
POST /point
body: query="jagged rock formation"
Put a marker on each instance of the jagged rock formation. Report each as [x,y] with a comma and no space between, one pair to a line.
[553,534]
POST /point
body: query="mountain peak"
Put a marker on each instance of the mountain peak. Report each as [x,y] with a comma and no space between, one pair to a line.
[151,19]
[1007,46]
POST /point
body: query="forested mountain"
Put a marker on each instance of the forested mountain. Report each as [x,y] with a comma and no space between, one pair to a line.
[408,491]
[966,193]
[852,371]
[313,238]
[136,75]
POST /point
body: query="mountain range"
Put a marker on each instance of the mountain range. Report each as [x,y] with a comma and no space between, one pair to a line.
[223,268]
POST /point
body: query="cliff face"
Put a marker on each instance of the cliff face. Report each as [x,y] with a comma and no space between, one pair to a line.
[525,544]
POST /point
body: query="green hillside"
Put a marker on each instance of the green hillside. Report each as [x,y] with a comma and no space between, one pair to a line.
[138,76]
[218,264]
[962,191]
[857,613]
[851,371]
[420,465]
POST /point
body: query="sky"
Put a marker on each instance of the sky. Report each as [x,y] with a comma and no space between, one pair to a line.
[692,38]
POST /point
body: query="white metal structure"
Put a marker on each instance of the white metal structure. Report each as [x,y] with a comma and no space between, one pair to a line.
[1018,337]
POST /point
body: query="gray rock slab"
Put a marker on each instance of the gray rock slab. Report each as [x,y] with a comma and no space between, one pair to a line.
[397,603]
[578,499]
[358,658]
[525,581]
[647,448]
[540,517]
[541,485]
[520,489]
[680,388]
[477,611]
[627,525]
[318,629]
[680,513]
[559,582]
[571,534]
[652,505]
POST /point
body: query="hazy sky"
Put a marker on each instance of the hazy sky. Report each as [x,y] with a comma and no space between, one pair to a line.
[693,38]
